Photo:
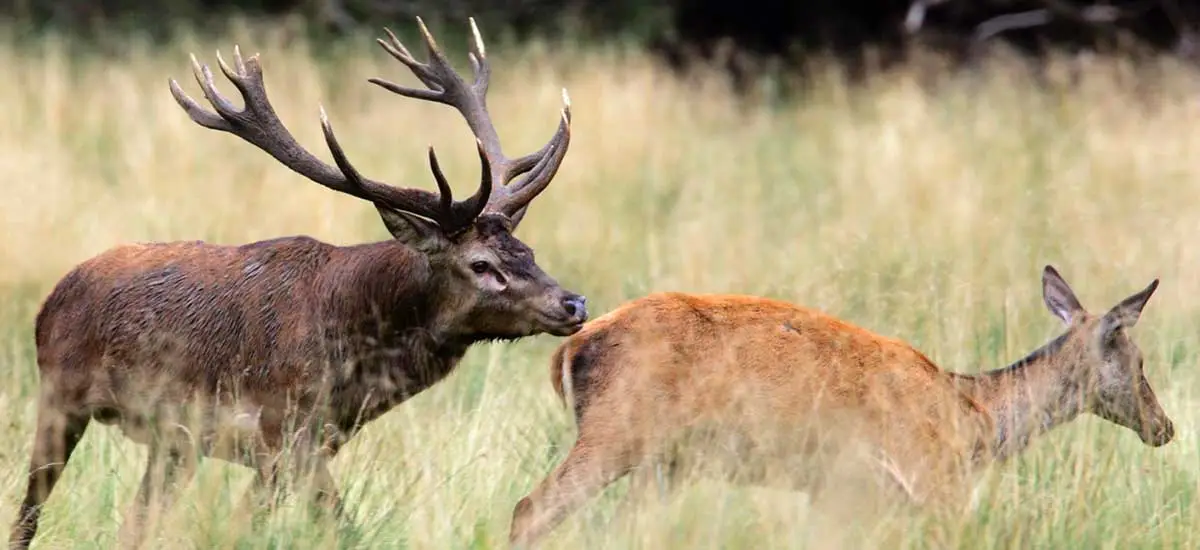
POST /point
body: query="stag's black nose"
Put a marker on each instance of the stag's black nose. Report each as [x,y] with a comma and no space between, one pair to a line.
[575,306]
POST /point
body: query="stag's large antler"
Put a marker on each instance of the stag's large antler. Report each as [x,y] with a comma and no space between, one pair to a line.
[447,87]
[258,124]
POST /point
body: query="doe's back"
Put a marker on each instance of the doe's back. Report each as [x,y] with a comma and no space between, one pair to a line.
[666,364]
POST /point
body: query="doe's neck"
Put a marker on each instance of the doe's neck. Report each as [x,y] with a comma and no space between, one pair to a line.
[1031,396]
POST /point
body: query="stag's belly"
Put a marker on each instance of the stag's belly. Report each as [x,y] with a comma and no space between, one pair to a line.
[200,427]
[241,433]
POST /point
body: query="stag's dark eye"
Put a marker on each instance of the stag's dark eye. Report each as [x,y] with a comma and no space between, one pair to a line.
[480,267]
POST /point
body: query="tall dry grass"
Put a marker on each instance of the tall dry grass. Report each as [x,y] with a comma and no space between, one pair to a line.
[922,212]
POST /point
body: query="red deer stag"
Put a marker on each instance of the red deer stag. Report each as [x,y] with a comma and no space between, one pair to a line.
[312,339]
[745,377]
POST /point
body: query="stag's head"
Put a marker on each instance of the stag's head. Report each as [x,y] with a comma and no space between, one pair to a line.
[1114,381]
[498,290]
[496,287]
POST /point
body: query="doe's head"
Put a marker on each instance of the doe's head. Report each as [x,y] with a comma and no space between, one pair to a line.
[1116,387]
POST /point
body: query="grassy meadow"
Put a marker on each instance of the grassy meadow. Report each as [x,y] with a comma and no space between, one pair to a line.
[920,210]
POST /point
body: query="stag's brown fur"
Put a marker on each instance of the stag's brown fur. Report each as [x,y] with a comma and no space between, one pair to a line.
[377,323]
[232,352]
[768,391]
[290,330]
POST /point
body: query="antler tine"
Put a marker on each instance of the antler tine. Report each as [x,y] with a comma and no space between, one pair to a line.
[396,49]
[476,203]
[545,166]
[479,62]
[355,180]
[204,78]
[526,163]
[194,111]
[443,185]
[445,85]
[483,195]
[451,216]
[230,73]
[258,124]
[444,215]
[431,47]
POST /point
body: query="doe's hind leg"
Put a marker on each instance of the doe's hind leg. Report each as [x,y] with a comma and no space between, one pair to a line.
[653,478]
[586,470]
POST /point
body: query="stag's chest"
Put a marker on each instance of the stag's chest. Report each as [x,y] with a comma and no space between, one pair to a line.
[373,387]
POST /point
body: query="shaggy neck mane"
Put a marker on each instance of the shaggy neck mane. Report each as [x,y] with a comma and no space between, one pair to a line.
[390,329]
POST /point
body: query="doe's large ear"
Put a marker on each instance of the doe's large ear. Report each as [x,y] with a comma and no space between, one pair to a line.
[412,230]
[1127,313]
[1059,297]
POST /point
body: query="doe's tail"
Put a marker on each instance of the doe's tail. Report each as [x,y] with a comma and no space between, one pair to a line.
[573,369]
[560,373]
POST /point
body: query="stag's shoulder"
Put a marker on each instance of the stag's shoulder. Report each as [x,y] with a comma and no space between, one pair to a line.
[201,257]
[299,243]
[132,253]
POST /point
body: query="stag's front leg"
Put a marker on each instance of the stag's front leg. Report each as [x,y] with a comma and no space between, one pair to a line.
[261,497]
[325,493]
[299,460]
[266,491]
[169,467]
[263,455]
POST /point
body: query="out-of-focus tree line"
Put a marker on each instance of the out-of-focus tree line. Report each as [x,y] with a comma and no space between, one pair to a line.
[683,29]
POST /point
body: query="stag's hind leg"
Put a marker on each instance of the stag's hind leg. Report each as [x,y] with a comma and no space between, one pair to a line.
[586,470]
[58,432]
[170,466]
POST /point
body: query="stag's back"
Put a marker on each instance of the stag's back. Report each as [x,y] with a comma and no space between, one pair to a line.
[187,312]
[669,364]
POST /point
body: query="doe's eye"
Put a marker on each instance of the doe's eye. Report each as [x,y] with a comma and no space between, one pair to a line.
[480,267]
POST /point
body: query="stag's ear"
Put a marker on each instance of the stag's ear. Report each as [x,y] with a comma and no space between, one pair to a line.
[1127,313]
[414,231]
[1059,297]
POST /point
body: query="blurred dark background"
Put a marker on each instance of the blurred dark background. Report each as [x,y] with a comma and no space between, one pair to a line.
[683,30]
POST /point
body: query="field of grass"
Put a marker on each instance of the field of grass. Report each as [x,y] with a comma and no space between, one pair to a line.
[921,211]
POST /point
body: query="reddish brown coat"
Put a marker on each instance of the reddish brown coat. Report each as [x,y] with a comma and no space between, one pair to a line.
[771,392]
